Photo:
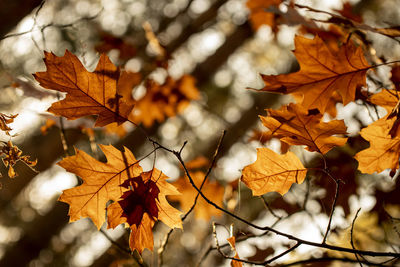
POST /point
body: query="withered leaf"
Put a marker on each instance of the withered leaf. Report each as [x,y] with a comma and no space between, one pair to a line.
[139,199]
[138,210]
[88,93]
[100,182]
[295,125]
[384,150]
[273,172]
[321,73]
[5,120]
[12,154]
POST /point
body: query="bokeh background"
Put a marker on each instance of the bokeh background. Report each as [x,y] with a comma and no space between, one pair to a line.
[213,40]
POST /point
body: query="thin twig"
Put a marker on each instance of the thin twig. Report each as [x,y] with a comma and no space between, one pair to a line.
[165,242]
[114,243]
[332,211]
[218,247]
[61,26]
[351,236]
[267,228]
[266,205]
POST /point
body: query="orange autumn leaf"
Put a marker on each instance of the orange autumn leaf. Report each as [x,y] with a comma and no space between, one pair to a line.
[387,99]
[12,154]
[165,100]
[296,125]
[384,150]
[321,73]
[126,83]
[5,120]
[101,182]
[272,172]
[88,93]
[212,190]
[232,242]
[142,205]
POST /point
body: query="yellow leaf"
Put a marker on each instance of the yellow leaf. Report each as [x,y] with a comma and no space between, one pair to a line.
[384,150]
[101,182]
[273,172]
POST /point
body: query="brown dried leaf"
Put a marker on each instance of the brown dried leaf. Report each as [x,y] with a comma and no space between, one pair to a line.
[295,125]
[88,93]
[321,73]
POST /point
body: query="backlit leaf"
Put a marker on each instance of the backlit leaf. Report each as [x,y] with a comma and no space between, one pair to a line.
[101,182]
[295,125]
[273,172]
[322,72]
[88,93]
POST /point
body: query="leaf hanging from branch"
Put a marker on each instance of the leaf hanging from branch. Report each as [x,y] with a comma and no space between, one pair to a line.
[88,93]
[273,172]
[100,182]
[142,205]
[295,125]
[322,72]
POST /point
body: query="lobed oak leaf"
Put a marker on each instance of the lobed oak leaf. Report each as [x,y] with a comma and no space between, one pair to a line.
[295,125]
[272,172]
[88,93]
[322,72]
[212,190]
[387,99]
[100,182]
[141,198]
[142,205]
[384,150]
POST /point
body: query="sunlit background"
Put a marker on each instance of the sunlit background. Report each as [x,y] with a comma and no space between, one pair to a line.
[211,39]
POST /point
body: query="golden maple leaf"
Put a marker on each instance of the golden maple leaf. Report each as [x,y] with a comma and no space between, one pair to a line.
[321,73]
[384,150]
[387,99]
[128,209]
[88,93]
[295,125]
[383,136]
[272,172]
[212,190]
[101,182]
